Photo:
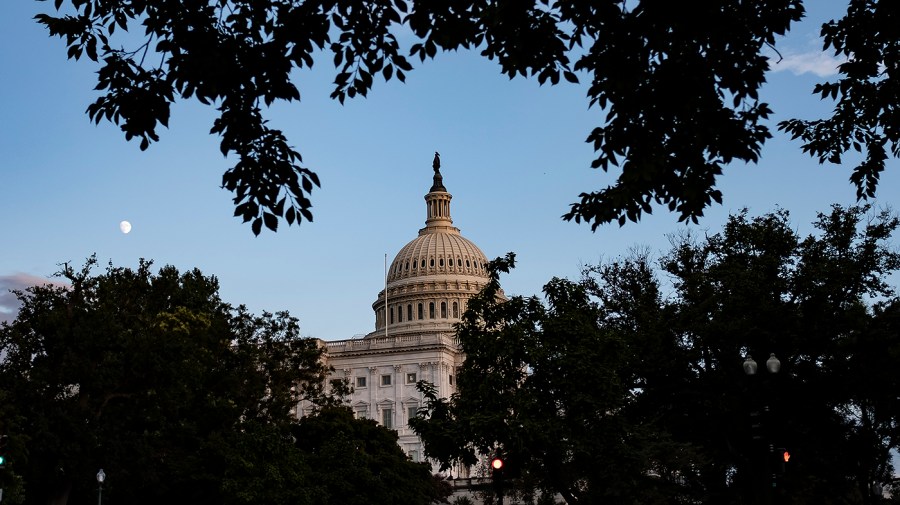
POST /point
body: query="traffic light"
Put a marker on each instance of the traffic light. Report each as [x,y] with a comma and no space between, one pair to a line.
[497,477]
[781,457]
[3,439]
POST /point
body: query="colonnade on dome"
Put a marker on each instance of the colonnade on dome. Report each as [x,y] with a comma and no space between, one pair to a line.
[433,276]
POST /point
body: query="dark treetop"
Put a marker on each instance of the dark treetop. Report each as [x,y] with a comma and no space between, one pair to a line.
[676,88]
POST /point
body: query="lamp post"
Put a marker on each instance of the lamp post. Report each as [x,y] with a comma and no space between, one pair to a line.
[101,476]
[773,365]
[762,424]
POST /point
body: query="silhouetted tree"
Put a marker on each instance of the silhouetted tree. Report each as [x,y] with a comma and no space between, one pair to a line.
[611,390]
[757,288]
[358,462]
[677,87]
[547,387]
[178,396]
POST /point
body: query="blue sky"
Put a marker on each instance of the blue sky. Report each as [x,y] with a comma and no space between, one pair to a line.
[513,155]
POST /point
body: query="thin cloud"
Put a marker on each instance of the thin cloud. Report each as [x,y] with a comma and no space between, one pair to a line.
[9,304]
[819,63]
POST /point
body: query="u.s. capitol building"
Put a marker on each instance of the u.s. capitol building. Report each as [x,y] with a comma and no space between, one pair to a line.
[428,285]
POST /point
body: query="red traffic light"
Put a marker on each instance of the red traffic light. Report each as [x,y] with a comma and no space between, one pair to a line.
[496,463]
[786,455]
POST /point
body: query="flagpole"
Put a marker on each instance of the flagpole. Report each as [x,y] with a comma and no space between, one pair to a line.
[385,297]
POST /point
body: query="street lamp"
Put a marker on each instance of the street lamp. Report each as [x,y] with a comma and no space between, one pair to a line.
[761,426]
[773,365]
[101,476]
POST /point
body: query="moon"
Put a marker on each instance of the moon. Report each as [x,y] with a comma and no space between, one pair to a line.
[125,226]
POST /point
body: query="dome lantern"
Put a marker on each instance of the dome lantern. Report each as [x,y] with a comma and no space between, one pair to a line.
[432,277]
[437,203]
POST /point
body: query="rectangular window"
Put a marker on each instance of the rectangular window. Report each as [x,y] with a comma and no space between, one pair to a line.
[385,380]
[360,382]
[451,379]
[411,412]
[414,455]
[387,418]
[411,378]
[362,413]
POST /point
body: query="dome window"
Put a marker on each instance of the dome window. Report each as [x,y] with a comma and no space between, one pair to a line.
[407,264]
[455,310]
[441,262]
[431,310]
[443,310]
[414,264]
[458,262]
[421,312]
[409,312]
[467,263]
[400,314]
[432,262]
[423,262]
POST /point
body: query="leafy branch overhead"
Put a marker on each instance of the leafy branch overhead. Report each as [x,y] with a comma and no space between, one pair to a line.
[677,89]
[866,118]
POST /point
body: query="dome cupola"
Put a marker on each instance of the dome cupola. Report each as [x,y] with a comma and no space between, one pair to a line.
[431,279]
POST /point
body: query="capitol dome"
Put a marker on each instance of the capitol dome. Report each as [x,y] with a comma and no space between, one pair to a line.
[433,276]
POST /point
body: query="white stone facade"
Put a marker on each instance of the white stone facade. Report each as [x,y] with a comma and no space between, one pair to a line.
[383,372]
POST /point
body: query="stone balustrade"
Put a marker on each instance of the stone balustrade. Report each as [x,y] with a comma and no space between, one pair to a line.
[389,342]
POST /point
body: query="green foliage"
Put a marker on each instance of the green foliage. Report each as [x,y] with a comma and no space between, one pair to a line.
[678,88]
[546,387]
[865,117]
[149,376]
[356,461]
[178,396]
[610,391]
[758,288]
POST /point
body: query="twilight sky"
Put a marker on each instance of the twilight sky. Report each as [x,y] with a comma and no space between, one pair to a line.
[513,156]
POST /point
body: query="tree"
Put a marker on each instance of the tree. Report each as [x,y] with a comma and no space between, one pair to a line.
[678,88]
[610,390]
[865,118]
[358,462]
[758,288]
[178,396]
[546,387]
[153,378]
